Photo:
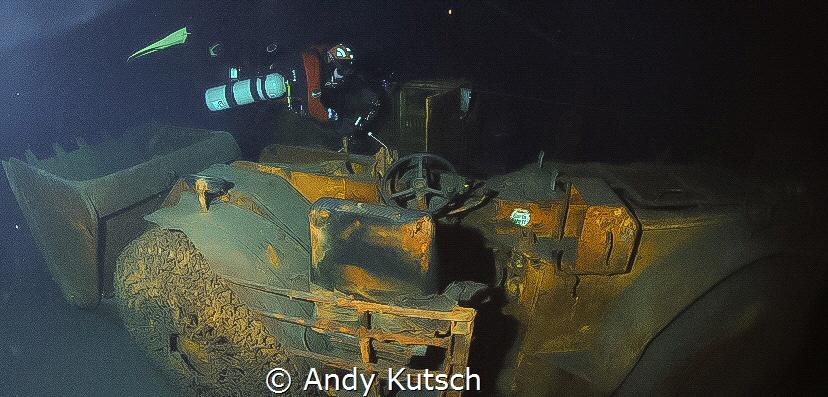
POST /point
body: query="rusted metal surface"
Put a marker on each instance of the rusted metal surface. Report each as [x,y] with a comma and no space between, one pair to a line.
[201,190]
[318,183]
[235,197]
[598,291]
[427,117]
[575,213]
[566,266]
[377,252]
[462,314]
[376,331]
[606,242]
[368,335]
[382,161]
[608,232]
[560,254]
[544,217]
[567,255]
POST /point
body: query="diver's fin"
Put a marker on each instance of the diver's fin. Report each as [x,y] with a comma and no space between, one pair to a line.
[177,37]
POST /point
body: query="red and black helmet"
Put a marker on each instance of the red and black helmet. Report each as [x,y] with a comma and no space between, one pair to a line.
[340,52]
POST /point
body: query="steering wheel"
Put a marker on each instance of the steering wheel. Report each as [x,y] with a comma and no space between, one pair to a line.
[419,181]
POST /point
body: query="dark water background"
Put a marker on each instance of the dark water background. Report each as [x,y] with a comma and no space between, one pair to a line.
[610,81]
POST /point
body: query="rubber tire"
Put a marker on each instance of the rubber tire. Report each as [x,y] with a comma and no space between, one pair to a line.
[752,334]
[189,320]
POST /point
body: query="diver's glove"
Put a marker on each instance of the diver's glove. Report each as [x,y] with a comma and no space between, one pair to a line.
[332,115]
[362,122]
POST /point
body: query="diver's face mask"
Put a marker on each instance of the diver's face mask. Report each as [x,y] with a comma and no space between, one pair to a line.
[344,69]
[342,59]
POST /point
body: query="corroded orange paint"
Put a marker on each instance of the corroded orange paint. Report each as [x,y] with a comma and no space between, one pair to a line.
[316,185]
[413,237]
[272,255]
[544,215]
[317,235]
[575,213]
[360,277]
[346,234]
[416,240]
[606,241]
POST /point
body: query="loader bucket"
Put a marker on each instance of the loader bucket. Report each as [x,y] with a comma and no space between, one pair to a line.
[84,206]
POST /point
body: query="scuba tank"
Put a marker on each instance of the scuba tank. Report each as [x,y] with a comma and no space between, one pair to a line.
[243,92]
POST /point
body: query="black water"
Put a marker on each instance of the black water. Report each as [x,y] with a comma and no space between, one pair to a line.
[583,81]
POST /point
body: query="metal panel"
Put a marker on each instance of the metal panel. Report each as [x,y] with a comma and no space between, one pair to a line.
[427,117]
[607,231]
[375,252]
[69,199]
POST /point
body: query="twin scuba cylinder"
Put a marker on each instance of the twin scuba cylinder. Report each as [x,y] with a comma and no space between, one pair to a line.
[242,92]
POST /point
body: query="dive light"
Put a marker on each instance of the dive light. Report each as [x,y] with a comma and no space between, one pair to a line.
[243,92]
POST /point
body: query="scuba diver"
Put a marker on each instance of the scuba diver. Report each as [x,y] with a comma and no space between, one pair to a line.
[326,86]
[338,96]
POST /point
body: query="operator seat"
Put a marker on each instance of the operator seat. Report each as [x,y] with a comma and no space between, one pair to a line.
[375,253]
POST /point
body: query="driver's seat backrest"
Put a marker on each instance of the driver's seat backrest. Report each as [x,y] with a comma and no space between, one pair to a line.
[374,252]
